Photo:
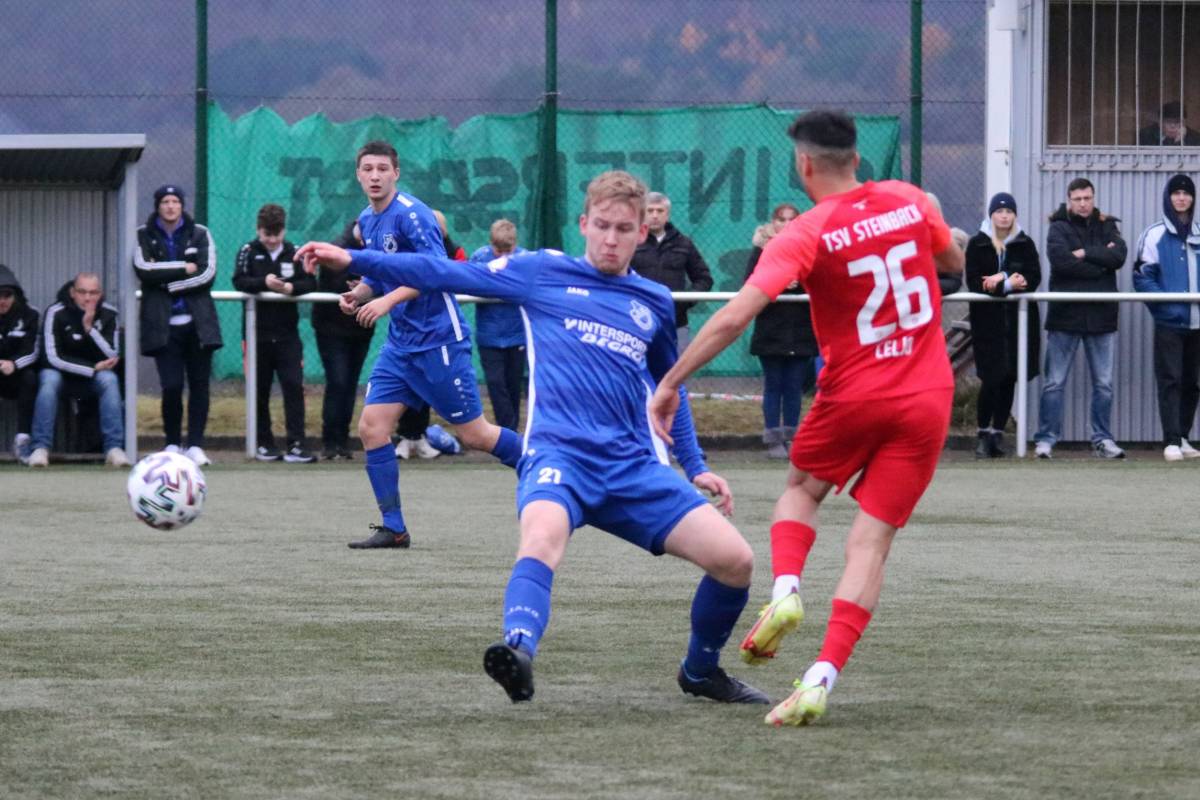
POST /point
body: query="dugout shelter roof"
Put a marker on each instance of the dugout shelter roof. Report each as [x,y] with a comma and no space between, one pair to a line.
[59,159]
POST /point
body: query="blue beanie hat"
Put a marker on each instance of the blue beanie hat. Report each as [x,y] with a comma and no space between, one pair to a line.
[167,189]
[1002,200]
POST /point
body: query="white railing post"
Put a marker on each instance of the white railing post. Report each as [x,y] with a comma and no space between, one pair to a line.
[250,337]
[1022,374]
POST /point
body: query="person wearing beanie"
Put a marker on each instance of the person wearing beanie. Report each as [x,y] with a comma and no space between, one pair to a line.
[1085,250]
[1169,129]
[176,262]
[1001,260]
[1168,260]
[19,352]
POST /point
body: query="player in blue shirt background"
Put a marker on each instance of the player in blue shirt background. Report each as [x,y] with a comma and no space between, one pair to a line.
[427,356]
[598,337]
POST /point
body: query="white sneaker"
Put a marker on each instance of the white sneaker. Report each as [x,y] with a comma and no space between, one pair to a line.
[20,447]
[39,458]
[198,456]
[424,449]
[1107,448]
[173,448]
[116,458]
[404,449]
[1043,450]
[1187,450]
[1173,452]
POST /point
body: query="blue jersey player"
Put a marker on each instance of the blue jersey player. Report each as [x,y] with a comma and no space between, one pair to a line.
[598,335]
[427,356]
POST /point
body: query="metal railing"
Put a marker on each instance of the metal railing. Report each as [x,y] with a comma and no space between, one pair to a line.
[1022,300]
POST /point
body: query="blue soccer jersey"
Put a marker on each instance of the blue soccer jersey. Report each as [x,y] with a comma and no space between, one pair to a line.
[597,344]
[433,319]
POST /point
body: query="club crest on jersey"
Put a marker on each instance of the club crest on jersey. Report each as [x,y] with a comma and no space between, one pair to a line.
[641,315]
[390,244]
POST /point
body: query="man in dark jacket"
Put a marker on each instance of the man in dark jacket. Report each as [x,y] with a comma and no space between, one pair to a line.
[1168,260]
[265,264]
[176,262]
[79,334]
[18,357]
[670,258]
[1085,250]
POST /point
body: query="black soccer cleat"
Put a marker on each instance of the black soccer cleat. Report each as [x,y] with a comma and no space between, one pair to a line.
[383,536]
[722,687]
[512,668]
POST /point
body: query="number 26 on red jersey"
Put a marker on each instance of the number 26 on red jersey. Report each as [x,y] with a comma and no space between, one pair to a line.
[911,295]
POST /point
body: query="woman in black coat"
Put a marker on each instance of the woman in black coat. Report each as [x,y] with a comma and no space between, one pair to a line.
[784,342]
[1001,260]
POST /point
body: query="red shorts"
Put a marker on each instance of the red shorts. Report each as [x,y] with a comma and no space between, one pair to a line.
[894,441]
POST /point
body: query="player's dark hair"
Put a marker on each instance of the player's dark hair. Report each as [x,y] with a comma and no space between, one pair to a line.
[271,218]
[378,147]
[1080,183]
[828,136]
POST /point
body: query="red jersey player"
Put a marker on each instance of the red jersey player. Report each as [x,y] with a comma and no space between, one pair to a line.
[866,253]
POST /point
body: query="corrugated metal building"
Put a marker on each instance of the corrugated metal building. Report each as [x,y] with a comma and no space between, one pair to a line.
[67,205]
[1077,88]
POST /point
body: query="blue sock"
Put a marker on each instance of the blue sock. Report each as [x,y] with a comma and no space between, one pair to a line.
[385,482]
[527,604]
[715,610]
[508,448]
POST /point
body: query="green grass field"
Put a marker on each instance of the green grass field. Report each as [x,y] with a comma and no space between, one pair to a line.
[1037,638]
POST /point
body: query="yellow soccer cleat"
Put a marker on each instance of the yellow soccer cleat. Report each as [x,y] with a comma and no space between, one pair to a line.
[805,705]
[776,620]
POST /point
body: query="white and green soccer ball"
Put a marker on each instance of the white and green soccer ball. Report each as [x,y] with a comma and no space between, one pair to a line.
[166,490]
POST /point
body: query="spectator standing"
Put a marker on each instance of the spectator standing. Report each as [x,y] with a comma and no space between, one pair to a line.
[176,263]
[18,357]
[500,335]
[670,258]
[1168,260]
[1085,250]
[343,345]
[79,333]
[266,264]
[784,342]
[1173,131]
[1001,260]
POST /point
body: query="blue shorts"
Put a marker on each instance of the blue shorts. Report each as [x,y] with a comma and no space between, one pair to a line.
[640,501]
[441,377]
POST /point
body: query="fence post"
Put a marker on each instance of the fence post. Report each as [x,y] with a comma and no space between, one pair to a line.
[1022,374]
[250,358]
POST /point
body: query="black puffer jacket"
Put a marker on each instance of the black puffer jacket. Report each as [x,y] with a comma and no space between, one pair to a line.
[1095,272]
[994,325]
[19,327]
[674,262]
[163,280]
[277,320]
[780,329]
[72,349]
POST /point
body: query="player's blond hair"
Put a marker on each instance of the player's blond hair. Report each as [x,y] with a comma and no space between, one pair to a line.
[503,235]
[620,186]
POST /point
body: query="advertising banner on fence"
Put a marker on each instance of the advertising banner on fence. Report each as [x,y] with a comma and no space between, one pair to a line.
[724,169]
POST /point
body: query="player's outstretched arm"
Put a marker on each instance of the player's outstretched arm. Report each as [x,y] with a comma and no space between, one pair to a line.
[330,256]
[509,278]
[718,333]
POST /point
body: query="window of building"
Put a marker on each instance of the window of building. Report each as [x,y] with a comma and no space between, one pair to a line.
[1123,73]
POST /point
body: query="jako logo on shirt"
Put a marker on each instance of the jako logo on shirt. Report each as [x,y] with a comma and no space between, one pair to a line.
[641,315]
[390,245]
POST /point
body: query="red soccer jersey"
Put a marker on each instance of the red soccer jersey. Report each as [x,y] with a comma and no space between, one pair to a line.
[865,258]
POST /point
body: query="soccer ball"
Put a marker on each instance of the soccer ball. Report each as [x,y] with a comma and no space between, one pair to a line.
[166,490]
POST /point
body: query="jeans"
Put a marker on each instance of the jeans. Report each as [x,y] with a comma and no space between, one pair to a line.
[342,358]
[1177,373]
[504,371]
[104,384]
[785,379]
[184,355]
[1060,352]
[283,357]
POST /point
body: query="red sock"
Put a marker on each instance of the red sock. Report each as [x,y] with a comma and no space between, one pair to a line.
[847,621]
[790,543]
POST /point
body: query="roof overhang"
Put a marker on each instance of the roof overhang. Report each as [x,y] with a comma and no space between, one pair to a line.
[68,159]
